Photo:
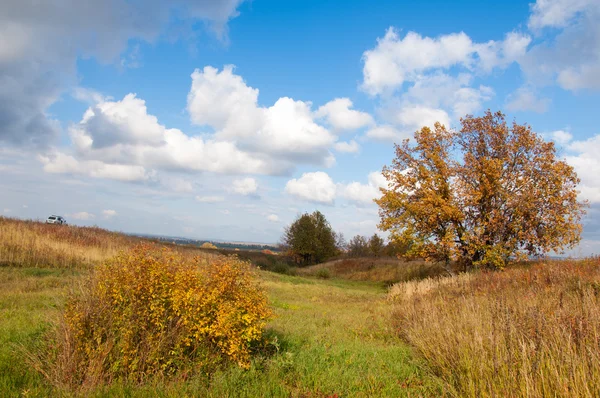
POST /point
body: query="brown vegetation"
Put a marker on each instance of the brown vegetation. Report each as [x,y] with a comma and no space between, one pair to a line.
[28,243]
[525,332]
[384,269]
[35,244]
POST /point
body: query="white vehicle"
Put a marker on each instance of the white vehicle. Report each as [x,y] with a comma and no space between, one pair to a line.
[56,220]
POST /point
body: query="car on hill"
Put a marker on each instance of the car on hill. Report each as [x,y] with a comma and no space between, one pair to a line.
[56,220]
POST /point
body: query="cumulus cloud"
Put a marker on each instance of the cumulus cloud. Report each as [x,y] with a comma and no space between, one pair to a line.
[347,147]
[386,133]
[561,137]
[273,218]
[570,57]
[315,187]
[396,60]
[40,44]
[246,186]
[557,13]
[364,194]
[120,140]
[109,213]
[583,156]
[284,131]
[339,115]
[407,118]
[422,80]
[525,99]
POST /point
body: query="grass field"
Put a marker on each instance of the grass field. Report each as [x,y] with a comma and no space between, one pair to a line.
[532,330]
[329,338]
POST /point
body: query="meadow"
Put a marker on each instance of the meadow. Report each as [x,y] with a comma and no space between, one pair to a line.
[530,331]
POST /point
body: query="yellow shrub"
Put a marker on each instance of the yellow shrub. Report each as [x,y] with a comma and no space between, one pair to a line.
[150,312]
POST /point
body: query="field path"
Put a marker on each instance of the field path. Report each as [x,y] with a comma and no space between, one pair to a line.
[334,340]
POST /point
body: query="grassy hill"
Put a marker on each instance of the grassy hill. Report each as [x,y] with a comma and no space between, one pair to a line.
[528,331]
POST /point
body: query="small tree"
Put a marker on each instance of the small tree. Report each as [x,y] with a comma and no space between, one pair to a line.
[376,245]
[310,239]
[480,196]
[358,246]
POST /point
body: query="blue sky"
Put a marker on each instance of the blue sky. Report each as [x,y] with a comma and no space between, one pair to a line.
[225,119]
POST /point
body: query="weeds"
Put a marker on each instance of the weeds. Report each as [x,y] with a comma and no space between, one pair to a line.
[526,332]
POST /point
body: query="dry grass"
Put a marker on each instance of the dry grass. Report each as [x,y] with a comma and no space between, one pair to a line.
[525,332]
[385,269]
[36,244]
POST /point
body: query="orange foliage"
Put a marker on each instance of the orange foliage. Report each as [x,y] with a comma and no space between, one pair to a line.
[481,195]
[152,312]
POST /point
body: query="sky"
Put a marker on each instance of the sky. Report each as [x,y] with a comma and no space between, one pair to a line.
[226,119]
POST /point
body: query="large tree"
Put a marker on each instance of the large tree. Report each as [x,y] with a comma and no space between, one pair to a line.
[480,196]
[310,239]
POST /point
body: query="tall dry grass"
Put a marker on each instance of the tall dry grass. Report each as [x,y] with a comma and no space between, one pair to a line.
[27,243]
[524,332]
[388,270]
[36,244]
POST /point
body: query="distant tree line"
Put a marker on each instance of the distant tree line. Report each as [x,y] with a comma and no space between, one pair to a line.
[310,239]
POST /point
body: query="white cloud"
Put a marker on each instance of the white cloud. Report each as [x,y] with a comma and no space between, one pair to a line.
[315,187]
[525,99]
[412,116]
[500,54]
[386,133]
[210,199]
[395,60]
[339,115]
[364,194]
[245,186]
[273,218]
[83,215]
[442,90]
[120,140]
[40,45]
[561,137]
[556,13]
[285,131]
[109,213]
[571,57]
[584,158]
[347,147]
[62,163]
[6,210]
[225,212]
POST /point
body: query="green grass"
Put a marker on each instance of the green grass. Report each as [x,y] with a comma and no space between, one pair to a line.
[329,338]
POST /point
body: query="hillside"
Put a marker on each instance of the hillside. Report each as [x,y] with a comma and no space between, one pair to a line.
[387,270]
[528,331]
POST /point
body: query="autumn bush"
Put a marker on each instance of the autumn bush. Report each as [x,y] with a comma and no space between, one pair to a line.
[151,312]
[524,332]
